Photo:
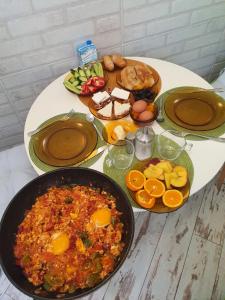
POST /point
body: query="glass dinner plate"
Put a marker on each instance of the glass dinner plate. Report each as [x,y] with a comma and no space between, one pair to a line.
[65,143]
[120,175]
[159,207]
[194,109]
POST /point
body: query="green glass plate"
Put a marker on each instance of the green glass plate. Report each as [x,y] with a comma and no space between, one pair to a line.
[168,123]
[44,166]
[119,175]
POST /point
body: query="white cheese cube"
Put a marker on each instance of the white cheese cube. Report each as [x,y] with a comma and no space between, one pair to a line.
[119,132]
[121,108]
[106,111]
[100,97]
[120,93]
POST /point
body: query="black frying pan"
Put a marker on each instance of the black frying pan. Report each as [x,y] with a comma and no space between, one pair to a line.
[23,200]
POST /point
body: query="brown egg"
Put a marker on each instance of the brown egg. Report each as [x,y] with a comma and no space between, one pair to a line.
[145,116]
[139,106]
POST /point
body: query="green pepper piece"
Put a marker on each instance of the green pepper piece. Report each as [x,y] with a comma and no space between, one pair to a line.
[93,279]
[47,286]
[85,239]
[26,259]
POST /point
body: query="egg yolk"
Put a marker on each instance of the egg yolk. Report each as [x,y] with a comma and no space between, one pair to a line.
[60,243]
[101,217]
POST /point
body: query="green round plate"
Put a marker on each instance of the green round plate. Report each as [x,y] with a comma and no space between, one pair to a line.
[207,118]
[194,109]
[57,143]
[119,177]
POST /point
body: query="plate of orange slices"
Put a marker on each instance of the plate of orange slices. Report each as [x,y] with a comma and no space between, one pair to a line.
[159,186]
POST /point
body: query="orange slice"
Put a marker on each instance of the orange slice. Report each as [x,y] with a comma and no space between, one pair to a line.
[144,199]
[135,180]
[154,187]
[172,198]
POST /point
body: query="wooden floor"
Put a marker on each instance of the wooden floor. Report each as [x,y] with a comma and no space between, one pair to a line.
[180,255]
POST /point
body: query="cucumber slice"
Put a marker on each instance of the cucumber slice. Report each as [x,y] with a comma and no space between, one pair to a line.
[76,74]
[72,80]
[83,78]
[81,72]
[93,72]
[76,82]
[87,72]
[100,70]
[71,87]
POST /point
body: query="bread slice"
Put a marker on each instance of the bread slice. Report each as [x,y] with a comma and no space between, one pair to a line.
[137,77]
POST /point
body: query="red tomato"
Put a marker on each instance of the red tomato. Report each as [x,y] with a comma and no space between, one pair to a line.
[92,88]
[85,89]
[89,81]
[98,81]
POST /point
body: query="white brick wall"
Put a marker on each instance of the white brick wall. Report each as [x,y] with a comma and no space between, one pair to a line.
[37,39]
[190,5]
[20,45]
[34,23]
[208,13]
[92,10]
[69,33]
[43,4]
[14,8]
[168,24]
[47,55]
[146,13]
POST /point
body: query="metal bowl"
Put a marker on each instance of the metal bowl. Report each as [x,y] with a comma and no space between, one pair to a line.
[23,201]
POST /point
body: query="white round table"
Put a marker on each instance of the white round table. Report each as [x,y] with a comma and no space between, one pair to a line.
[207,156]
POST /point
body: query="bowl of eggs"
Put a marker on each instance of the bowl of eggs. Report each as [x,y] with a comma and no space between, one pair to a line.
[143,113]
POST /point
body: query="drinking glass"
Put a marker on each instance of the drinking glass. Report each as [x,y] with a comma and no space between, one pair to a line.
[170,147]
[120,155]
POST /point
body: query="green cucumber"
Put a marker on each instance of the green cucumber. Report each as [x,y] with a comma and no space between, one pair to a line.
[76,90]
[81,72]
[87,72]
[98,69]
[76,82]
[76,74]
[72,79]
[83,78]
[93,72]
[71,87]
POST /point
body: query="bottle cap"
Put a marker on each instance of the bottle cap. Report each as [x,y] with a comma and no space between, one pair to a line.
[88,42]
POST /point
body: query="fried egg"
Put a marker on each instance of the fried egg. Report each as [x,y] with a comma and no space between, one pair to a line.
[101,217]
[59,243]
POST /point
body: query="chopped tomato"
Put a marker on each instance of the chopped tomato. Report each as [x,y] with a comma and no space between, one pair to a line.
[89,81]
[85,89]
[98,81]
[92,88]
